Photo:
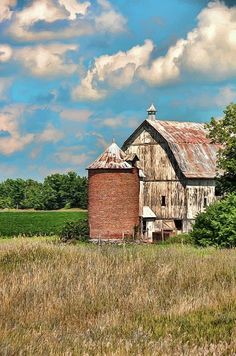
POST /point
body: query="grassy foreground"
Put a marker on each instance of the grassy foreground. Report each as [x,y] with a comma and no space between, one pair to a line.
[36,222]
[110,300]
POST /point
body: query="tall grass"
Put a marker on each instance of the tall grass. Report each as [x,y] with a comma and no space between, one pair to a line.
[109,300]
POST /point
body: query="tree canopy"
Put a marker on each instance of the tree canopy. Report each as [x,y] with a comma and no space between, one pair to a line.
[56,192]
[223,132]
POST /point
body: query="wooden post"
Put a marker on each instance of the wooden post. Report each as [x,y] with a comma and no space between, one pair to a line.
[162,231]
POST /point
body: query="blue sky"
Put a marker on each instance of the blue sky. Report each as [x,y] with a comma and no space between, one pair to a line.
[74,74]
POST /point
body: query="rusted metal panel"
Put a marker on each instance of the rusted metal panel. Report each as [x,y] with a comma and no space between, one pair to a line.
[187,142]
[195,154]
[112,158]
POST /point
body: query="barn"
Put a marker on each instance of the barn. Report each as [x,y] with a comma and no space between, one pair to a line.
[175,163]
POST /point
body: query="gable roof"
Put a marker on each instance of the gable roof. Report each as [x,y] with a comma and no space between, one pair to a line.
[193,151]
[112,158]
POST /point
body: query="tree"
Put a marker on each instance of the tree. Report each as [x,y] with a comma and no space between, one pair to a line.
[217,225]
[223,132]
[56,192]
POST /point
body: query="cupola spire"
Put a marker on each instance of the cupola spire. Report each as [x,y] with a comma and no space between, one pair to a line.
[152,112]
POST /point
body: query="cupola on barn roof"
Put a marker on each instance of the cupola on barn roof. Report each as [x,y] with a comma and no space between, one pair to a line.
[152,108]
[152,112]
[112,158]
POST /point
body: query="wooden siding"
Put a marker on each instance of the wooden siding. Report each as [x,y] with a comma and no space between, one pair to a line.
[196,191]
[161,177]
[154,157]
[184,197]
[175,199]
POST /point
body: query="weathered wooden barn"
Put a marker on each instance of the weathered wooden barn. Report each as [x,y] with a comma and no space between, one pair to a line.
[177,169]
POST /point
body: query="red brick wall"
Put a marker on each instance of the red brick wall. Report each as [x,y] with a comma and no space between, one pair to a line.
[113,202]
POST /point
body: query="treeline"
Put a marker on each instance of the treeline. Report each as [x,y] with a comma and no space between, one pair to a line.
[56,192]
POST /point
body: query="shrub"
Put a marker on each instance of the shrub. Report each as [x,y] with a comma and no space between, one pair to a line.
[75,230]
[217,225]
[185,239]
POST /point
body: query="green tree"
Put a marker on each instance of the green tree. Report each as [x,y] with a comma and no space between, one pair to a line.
[217,225]
[12,192]
[223,132]
[57,191]
[33,197]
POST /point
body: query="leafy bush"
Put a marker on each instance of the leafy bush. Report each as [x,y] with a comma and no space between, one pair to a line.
[185,239]
[75,230]
[217,225]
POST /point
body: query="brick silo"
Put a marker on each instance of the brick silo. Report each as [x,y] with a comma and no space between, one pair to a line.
[113,195]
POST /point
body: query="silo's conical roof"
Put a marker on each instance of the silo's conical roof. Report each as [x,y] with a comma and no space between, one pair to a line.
[112,158]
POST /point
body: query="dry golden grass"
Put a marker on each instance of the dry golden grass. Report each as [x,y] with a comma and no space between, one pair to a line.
[110,300]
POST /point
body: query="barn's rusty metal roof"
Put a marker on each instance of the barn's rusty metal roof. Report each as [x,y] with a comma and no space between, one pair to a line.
[112,158]
[193,150]
[188,141]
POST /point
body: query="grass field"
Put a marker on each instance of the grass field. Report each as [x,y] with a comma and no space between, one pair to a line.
[111,300]
[36,223]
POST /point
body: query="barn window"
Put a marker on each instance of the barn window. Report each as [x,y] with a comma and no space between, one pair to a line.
[205,202]
[178,225]
[163,200]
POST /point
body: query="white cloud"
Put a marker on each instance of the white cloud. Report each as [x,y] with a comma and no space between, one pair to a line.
[113,122]
[117,71]
[225,96]
[101,141]
[5,84]
[75,115]
[5,53]
[50,134]
[80,20]
[110,20]
[5,9]
[209,49]
[47,60]
[12,140]
[75,8]
[40,10]
[50,11]
[71,158]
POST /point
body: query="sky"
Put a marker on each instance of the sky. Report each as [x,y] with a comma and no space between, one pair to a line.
[75,74]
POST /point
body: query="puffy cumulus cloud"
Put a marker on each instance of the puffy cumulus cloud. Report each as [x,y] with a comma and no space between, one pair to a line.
[11,139]
[49,11]
[75,115]
[208,50]
[110,20]
[5,9]
[117,71]
[74,8]
[50,134]
[47,60]
[5,53]
[40,10]
[79,20]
